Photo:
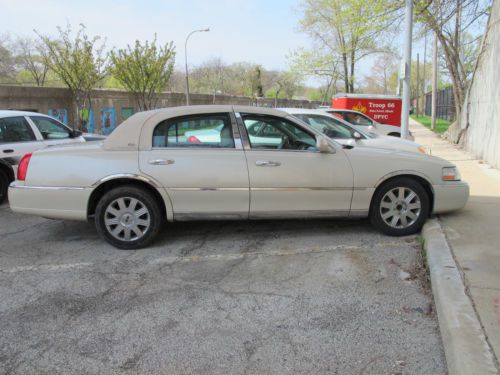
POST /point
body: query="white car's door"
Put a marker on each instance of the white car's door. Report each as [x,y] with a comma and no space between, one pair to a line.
[53,132]
[16,139]
[205,179]
[293,178]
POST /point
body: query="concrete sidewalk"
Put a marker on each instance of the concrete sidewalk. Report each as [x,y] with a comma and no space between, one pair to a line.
[473,233]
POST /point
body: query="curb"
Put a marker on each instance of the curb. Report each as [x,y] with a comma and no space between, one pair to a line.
[465,345]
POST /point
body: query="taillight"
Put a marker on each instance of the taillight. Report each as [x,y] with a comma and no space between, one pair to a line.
[22,168]
[193,139]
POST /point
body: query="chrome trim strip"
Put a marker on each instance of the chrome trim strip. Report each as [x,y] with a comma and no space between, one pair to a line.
[12,186]
[188,216]
[126,175]
[262,188]
[299,214]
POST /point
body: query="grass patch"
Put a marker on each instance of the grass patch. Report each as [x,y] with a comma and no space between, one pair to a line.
[441,125]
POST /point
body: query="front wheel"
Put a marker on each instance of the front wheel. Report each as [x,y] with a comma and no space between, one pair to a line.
[4,185]
[399,207]
[128,217]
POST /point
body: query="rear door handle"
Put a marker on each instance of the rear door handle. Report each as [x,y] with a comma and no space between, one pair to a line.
[161,162]
[8,151]
[267,163]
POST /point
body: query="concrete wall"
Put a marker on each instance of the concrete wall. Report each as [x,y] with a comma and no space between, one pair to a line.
[481,112]
[44,99]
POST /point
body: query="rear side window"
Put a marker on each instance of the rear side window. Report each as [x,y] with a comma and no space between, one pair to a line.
[200,131]
[50,129]
[15,129]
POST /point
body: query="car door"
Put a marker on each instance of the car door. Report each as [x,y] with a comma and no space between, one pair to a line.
[16,139]
[205,177]
[293,178]
[53,132]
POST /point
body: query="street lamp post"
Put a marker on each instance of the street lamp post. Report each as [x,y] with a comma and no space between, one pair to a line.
[186,60]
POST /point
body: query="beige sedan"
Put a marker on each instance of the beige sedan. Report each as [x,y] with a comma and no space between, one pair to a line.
[264,163]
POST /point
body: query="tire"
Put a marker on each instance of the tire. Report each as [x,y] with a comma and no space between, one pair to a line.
[398,135]
[396,216]
[4,185]
[124,212]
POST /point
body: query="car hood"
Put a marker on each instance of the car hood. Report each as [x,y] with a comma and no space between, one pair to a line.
[385,142]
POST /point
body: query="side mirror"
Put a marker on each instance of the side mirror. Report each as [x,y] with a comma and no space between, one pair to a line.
[356,136]
[322,145]
[75,133]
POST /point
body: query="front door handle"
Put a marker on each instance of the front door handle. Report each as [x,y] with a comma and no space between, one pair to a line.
[267,163]
[161,162]
[8,151]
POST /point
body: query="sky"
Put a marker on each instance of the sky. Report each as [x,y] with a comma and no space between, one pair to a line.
[259,31]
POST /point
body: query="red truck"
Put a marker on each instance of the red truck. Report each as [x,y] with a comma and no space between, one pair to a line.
[384,109]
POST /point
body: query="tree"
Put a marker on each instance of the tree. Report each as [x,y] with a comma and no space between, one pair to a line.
[144,70]
[449,19]
[7,61]
[31,60]
[281,85]
[210,77]
[78,61]
[348,30]
[383,78]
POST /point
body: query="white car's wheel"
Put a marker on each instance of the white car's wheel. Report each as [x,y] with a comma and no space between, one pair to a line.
[399,207]
[128,217]
[4,184]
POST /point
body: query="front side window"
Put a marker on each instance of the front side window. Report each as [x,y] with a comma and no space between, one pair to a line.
[328,125]
[211,130]
[268,132]
[50,128]
[15,129]
[357,119]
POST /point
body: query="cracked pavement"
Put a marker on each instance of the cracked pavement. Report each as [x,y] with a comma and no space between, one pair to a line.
[298,297]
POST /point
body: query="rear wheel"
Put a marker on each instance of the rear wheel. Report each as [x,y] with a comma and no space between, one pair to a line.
[128,217]
[4,185]
[395,135]
[399,207]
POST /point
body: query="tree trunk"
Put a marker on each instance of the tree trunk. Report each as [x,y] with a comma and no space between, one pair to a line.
[346,72]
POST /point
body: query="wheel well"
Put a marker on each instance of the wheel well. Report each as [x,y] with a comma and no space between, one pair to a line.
[422,181]
[395,134]
[9,172]
[102,189]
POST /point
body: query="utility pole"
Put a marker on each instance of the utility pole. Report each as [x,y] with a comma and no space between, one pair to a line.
[417,94]
[186,60]
[434,82]
[405,112]
[424,81]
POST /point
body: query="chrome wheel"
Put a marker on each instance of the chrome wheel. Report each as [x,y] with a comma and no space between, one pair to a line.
[127,219]
[400,207]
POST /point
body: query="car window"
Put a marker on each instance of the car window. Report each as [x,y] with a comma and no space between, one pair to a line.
[50,128]
[211,130]
[328,126]
[15,129]
[357,119]
[277,133]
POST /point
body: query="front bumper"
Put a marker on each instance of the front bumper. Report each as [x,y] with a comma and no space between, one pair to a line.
[450,196]
[66,203]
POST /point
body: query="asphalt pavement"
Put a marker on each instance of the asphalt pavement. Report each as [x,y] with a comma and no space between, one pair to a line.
[282,297]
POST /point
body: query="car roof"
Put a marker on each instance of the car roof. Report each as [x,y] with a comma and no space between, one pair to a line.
[12,113]
[303,110]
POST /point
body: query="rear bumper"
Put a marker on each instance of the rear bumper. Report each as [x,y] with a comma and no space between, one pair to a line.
[450,196]
[67,203]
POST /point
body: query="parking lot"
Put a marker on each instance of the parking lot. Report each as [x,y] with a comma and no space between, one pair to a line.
[221,297]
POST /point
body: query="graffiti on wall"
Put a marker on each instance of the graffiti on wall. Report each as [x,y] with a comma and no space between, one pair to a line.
[60,114]
[108,120]
[127,112]
[87,117]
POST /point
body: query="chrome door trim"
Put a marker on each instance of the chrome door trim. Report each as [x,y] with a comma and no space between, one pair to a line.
[207,189]
[299,214]
[161,162]
[13,186]
[261,188]
[189,216]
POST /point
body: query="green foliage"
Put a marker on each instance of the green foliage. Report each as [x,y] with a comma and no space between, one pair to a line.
[144,70]
[441,125]
[77,60]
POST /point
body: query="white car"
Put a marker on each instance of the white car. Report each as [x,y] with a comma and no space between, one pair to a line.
[23,132]
[347,135]
[146,172]
[363,122]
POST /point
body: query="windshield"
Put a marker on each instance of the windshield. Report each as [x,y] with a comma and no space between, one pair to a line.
[329,126]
